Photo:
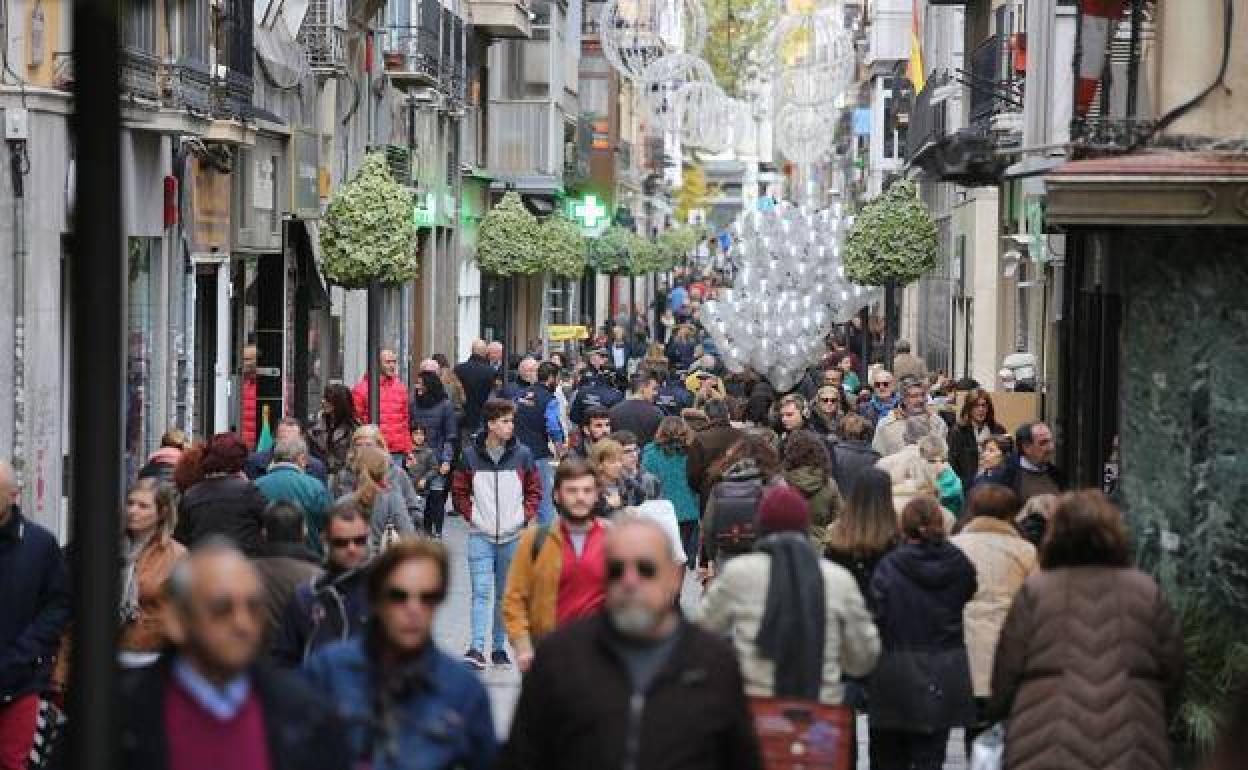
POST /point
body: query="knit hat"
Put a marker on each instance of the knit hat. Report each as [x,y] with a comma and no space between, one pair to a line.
[783,509]
[429,365]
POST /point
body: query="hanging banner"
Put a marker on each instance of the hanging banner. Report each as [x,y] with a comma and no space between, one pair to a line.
[565,333]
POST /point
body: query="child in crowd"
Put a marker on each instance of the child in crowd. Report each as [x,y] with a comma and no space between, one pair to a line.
[422,465]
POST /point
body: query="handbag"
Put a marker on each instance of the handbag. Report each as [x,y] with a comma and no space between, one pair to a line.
[803,734]
[988,749]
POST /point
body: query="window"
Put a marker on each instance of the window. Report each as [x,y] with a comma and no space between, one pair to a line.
[193,31]
[138,25]
[143,261]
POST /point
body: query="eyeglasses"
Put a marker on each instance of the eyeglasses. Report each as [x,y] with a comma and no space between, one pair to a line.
[343,542]
[646,569]
[828,400]
[884,384]
[428,598]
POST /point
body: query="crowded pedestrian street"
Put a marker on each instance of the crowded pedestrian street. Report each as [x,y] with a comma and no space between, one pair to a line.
[623,385]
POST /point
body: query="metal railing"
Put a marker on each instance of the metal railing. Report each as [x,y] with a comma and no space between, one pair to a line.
[414,49]
[994,88]
[139,74]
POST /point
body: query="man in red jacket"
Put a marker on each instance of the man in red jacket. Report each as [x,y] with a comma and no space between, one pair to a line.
[248,413]
[392,414]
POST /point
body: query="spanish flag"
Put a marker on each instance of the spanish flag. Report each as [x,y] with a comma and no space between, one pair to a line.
[914,69]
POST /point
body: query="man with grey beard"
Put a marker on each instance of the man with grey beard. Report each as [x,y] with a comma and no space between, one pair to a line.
[635,686]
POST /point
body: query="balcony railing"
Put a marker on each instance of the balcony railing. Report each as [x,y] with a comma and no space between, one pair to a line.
[520,138]
[995,87]
[188,87]
[927,120]
[1114,119]
[413,53]
[140,75]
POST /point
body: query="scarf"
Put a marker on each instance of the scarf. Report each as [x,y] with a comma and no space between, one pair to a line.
[791,634]
[131,550]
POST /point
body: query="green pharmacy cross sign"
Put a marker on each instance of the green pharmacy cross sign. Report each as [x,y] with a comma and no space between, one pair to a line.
[589,214]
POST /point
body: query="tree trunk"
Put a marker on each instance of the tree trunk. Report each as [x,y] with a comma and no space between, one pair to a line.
[890,322]
[374,353]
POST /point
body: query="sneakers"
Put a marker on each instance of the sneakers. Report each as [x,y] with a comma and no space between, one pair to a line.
[475,660]
[499,658]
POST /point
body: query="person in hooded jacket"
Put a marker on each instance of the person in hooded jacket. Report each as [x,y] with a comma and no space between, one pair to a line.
[797,621]
[738,482]
[808,469]
[921,687]
[432,409]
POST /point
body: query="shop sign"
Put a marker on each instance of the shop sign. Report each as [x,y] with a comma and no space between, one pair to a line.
[564,333]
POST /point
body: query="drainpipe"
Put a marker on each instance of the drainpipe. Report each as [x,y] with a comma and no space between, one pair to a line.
[19,167]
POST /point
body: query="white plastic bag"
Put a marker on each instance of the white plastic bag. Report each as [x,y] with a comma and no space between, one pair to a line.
[988,750]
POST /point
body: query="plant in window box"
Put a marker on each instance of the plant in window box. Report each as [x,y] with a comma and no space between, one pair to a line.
[563,247]
[508,239]
[368,233]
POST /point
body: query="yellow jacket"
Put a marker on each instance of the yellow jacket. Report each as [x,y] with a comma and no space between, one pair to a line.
[533,589]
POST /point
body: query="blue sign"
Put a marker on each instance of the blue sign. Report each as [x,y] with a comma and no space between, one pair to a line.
[862,121]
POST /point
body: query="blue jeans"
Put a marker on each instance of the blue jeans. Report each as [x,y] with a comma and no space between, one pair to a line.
[546,509]
[488,564]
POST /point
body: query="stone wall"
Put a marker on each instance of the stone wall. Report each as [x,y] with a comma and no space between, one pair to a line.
[1185,406]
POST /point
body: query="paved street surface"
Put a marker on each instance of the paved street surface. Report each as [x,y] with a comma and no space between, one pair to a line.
[452,632]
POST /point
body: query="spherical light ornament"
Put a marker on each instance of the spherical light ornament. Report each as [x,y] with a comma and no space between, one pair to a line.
[636,33]
[804,134]
[663,77]
[696,107]
[812,57]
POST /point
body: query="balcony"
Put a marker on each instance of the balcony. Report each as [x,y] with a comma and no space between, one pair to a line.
[140,77]
[501,18]
[188,87]
[967,157]
[996,84]
[413,56]
[521,140]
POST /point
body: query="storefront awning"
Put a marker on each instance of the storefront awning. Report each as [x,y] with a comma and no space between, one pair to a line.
[1149,190]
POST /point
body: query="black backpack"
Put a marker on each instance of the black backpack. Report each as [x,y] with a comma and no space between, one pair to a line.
[734,527]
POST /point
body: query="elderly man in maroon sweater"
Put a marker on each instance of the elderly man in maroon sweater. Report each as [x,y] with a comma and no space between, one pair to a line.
[208,706]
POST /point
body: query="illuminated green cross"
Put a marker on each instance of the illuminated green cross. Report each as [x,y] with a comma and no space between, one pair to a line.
[589,212]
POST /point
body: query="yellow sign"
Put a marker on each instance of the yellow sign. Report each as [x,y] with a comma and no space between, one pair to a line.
[561,333]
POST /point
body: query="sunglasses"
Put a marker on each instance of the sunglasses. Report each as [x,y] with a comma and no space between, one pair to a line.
[427,598]
[223,607]
[885,384]
[646,569]
[828,400]
[343,542]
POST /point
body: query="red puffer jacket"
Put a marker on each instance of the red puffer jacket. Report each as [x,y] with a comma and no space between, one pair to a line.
[393,413]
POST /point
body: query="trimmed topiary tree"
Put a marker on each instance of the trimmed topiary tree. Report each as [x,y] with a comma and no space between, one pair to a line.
[508,239]
[610,253]
[368,233]
[562,247]
[893,240]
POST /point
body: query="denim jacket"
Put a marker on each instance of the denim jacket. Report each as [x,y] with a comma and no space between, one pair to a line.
[440,717]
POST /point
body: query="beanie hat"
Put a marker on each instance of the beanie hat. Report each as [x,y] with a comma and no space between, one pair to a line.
[783,509]
[429,365]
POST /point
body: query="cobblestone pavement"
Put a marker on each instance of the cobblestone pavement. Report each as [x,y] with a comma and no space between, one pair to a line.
[452,631]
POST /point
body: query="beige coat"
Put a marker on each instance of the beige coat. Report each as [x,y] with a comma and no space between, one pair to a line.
[1003,560]
[734,607]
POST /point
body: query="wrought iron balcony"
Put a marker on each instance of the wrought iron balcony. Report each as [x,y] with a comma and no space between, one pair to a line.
[995,83]
[967,157]
[188,87]
[413,56]
[233,96]
[140,76]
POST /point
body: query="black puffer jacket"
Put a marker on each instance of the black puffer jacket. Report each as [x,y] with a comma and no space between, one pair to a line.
[733,502]
[923,680]
[228,505]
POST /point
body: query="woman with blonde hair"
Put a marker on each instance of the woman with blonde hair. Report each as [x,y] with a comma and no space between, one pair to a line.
[397,480]
[371,468]
[615,494]
[149,554]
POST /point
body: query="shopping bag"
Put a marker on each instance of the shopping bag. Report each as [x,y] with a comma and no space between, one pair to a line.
[988,749]
[803,734]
